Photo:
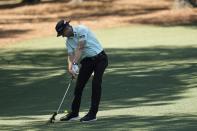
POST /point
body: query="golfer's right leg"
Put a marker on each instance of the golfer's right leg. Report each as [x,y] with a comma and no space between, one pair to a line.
[84,74]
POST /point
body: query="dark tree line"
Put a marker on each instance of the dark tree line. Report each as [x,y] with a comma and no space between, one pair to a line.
[31,1]
[191,2]
[38,1]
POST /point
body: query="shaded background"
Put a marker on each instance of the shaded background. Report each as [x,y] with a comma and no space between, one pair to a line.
[150,83]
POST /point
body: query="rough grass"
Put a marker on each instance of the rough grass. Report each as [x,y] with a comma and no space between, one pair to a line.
[150,83]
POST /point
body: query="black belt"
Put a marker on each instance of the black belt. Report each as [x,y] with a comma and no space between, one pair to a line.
[96,56]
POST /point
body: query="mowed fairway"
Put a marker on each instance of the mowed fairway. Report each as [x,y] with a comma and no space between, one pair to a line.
[150,84]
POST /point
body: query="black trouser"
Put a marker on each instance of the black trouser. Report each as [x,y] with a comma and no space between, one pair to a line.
[96,64]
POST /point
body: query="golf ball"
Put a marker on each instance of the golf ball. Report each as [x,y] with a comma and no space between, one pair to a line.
[65,111]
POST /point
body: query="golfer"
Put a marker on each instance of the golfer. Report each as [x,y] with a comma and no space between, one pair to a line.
[84,48]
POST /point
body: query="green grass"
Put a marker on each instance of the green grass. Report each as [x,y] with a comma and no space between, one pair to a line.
[150,83]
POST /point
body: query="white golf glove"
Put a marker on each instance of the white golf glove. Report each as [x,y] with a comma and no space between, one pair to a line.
[75,68]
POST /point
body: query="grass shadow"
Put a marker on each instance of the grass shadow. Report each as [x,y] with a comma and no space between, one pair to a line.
[33,82]
[120,122]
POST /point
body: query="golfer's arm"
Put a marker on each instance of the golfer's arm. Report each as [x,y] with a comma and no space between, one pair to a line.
[78,51]
[70,60]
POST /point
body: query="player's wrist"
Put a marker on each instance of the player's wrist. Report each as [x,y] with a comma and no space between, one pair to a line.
[75,63]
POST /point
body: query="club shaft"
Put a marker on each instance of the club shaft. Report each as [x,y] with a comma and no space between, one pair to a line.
[64,95]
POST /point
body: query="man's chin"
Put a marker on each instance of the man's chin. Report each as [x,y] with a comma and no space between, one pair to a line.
[67,36]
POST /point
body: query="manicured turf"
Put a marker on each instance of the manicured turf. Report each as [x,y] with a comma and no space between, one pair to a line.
[150,83]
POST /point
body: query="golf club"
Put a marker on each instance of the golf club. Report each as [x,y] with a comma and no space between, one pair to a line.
[52,119]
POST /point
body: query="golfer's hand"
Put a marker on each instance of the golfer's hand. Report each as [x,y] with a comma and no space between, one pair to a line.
[72,73]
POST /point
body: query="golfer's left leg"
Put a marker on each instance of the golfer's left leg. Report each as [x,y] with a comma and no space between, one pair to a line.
[96,84]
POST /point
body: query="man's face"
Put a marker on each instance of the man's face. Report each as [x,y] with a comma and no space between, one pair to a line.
[67,32]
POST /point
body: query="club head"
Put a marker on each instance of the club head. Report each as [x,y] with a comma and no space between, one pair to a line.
[52,119]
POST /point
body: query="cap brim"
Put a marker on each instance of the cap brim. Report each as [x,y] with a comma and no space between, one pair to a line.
[59,34]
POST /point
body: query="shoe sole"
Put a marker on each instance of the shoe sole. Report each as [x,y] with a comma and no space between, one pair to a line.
[74,119]
[89,120]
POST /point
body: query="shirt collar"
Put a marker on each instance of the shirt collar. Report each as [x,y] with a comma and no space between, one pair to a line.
[74,32]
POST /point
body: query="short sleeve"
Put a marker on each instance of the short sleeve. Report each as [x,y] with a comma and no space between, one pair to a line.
[82,34]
